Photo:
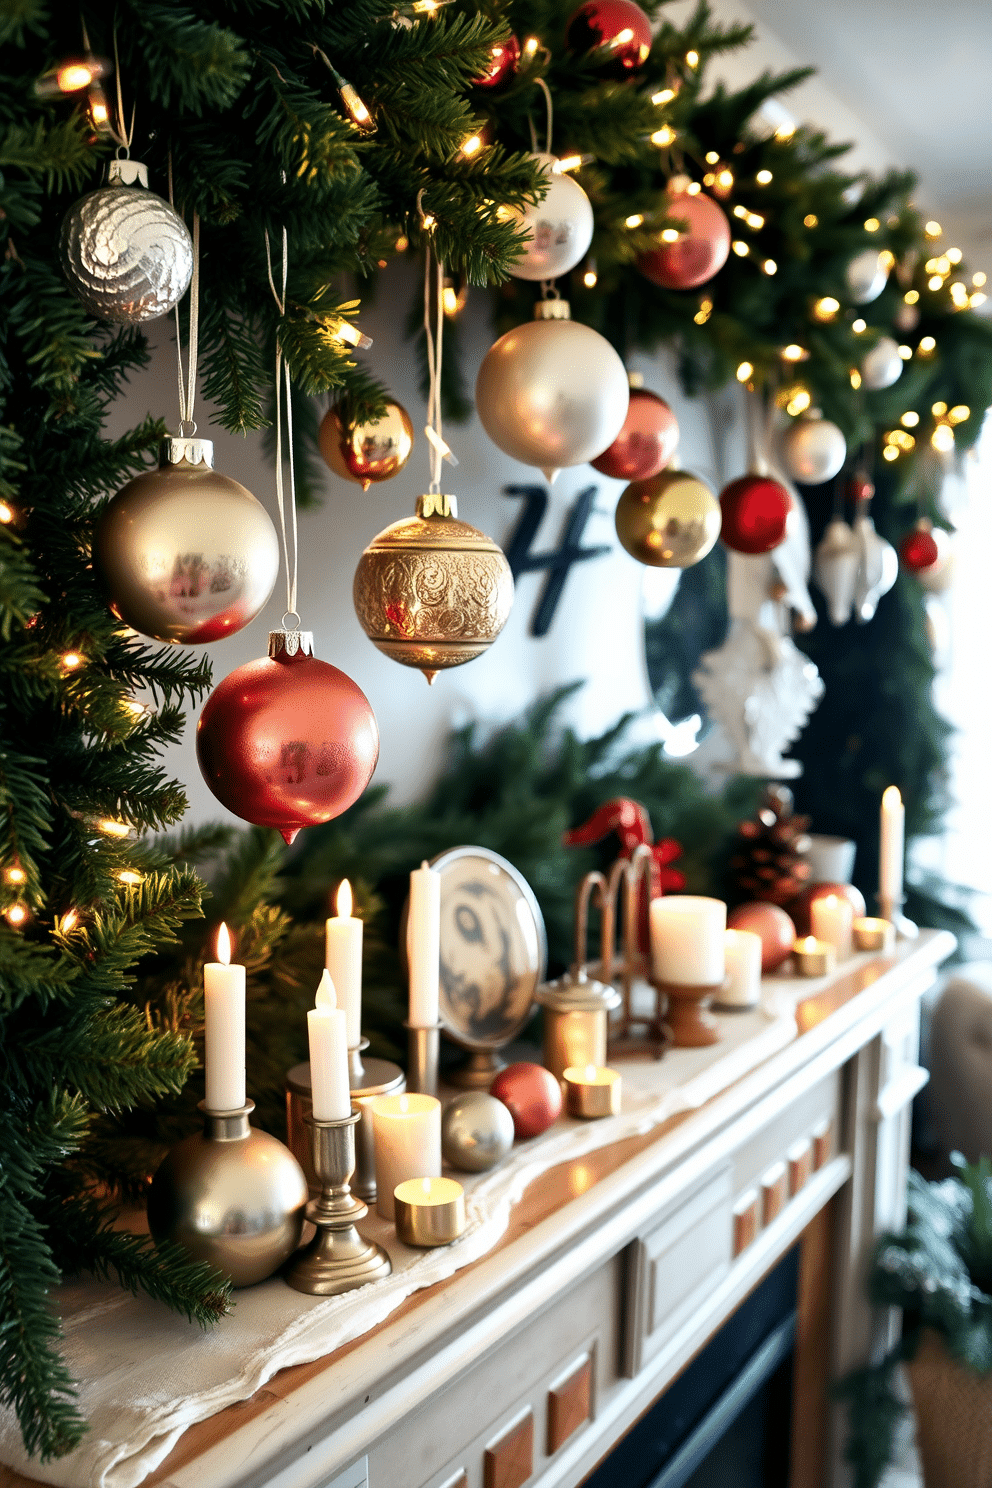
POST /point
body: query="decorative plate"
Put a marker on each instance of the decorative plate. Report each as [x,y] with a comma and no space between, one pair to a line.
[494,949]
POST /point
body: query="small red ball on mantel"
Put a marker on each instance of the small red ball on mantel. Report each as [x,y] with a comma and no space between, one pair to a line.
[645,444]
[756,511]
[919,548]
[503,59]
[799,908]
[772,924]
[532,1096]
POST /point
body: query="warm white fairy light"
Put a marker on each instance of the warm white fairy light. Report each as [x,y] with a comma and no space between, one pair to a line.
[954,255]
[744,371]
[979,279]
[859,326]
[471,146]
[72,660]
[911,297]
[942,439]
[590,278]
[798,403]
[114,828]
[935,283]
[959,413]
[855,376]
[906,352]
[826,308]
[704,312]
[712,157]
[636,219]
[692,59]
[665,96]
[769,267]
[15,875]
[927,345]
[755,221]
[811,220]
[741,248]
[910,419]
[351,336]
[938,409]
[693,188]
[129,877]
[69,921]
[794,353]
[531,45]
[976,299]
[6,512]
[872,224]
[785,131]
[670,234]
[764,177]
[17,914]
[890,452]
[664,136]
[933,230]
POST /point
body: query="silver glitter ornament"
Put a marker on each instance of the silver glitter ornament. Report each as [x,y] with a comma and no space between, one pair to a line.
[126,254]
[188,555]
[476,1132]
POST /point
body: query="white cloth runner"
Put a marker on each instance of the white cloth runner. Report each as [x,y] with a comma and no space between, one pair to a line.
[146,1375]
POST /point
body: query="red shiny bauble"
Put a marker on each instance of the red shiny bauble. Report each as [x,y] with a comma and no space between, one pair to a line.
[799,908]
[645,444]
[619,25]
[287,741]
[698,253]
[503,59]
[919,548]
[859,488]
[774,926]
[755,512]
[532,1096]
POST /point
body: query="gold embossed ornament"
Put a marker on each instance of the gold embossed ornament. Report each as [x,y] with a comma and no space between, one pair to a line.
[669,521]
[432,592]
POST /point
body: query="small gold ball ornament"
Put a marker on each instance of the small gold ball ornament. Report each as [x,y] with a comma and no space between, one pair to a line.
[668,521]
[432,592]
[375,450]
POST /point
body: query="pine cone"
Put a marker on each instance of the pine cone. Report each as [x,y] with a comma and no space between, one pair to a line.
[769,861]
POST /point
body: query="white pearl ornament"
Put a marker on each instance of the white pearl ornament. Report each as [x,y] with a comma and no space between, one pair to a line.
[560,227]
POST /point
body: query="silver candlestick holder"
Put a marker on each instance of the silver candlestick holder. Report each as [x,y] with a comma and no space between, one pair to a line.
[337,1259]
[231,1196]
[424,1046]
[368,1079]
[891,909]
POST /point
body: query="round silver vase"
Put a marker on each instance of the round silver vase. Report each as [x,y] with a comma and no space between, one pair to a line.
[231,1196]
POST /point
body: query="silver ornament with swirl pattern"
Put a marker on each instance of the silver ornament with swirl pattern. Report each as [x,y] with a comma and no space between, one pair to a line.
[126,254]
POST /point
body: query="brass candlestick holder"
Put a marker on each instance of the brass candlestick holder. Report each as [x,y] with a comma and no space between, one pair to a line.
[891,909]
[633,1031]
[368,1079]
[693,1026]
[337,1258]
[424,1045]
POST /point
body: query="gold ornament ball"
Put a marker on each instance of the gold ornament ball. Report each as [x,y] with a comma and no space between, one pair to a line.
[367,452]
[187,555]
[432,592]
[669,521]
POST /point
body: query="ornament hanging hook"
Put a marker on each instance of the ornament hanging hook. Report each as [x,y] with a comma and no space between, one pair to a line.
[123,138]
[439,449]
[550,116]
[290,541]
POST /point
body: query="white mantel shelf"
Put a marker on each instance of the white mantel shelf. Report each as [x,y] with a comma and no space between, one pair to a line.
[617,1267]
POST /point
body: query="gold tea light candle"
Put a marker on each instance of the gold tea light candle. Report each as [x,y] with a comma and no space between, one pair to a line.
[429,1211]
[591,1092]
[874,935]
[812,957]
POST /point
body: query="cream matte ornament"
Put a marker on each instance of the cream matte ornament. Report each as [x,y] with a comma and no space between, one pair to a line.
[882,366]
[126,254]
[813,449]
[560,226]
[835,568]
[188,555]
[476,1132]
[552,392]
[866,276]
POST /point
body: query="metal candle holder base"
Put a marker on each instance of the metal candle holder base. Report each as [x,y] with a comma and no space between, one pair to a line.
[337,1258]
[692,1025]
[891,910]
[480,1071]
[424,1052]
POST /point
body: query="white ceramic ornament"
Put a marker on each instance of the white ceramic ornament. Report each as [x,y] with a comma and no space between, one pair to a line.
[560,227]
[835,569]
[866,276]
[878,568]
[813,449]
[552,393]
[882,365]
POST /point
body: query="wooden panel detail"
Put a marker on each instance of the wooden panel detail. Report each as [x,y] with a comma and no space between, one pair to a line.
[800,1160]
[569,1404]
[774,1192]
[823,1144]
[811,1361]
[745,1220]
[509,1461]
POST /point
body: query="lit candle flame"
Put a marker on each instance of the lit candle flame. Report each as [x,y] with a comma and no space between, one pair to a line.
[891,798]
[590,1073]
[811,943]
[224,945]
[343,903]
[326,995]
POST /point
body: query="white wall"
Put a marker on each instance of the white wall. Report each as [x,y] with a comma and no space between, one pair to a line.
[597,631]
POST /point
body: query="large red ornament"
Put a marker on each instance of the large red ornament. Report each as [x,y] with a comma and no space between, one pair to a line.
[287,741]
[775,927]
[645,444]
[698,253]
[755,512]
[919,548]
[619,25]
[799,908]
[532,1096]
[503,59]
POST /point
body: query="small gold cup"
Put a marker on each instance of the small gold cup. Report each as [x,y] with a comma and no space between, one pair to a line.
[874,935]
[429,1211]
[813,958]
[592,1093]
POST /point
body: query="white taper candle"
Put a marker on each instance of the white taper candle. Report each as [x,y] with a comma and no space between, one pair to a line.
[326,1025]
[224,1029]
[423,944]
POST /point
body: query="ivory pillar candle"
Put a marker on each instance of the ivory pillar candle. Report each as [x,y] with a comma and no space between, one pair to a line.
[224,1029]
[343,959]
[742,954]
[890,856]
[407,1143]
[423,945]
[832,920]
[687,940]
[327,1027]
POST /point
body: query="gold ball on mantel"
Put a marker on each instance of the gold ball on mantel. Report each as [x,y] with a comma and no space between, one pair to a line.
[432,592]
[670,520]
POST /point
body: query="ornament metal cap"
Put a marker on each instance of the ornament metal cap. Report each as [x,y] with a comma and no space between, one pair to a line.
[435,504]
[127,173]
[552,310]
[290,643]
[577,992]
[176,449]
